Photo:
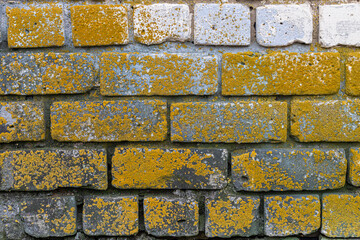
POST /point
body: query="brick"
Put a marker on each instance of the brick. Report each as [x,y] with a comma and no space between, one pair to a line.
[157,23]
[96,25]
[11,226]
[329,121]
[29,170]
[340,215]
[225,24]
[232,216]
[108,121]
[50,73]
[33,27]
[291,215]
[239,121]
[21,121]
[172,217]
[169,168]
[354,167]
[352,85]
[284,24]
[288,169]
[50,216]
[339,25]
[280,73]
[110,216]
[158,74]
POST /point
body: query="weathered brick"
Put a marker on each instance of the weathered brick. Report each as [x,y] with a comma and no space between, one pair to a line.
[352,84]
[11,226]
[31,170]
[330,121]
[50,73]
[110,216]
[158,74]
[225,24]
[173,217]
[232,216]
[291,215]
[157,23]
[354,167]
[169,168]
[21,121]
[95,25]
[33,27]
[288,169]
[49,217]
[239,121]
[109,121]
[340,215]
[280,73]
[339,25]
[284,24]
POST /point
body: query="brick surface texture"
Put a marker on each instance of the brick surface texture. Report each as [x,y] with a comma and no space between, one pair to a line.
[171,119]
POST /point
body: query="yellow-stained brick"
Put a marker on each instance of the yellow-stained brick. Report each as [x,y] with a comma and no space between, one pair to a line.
[331,121]
[35,27]
[354,167]
[340,215]
[290,215]
[280,73]
[29,170]
[21,121]
[169,168]
[352,84]
[232,216]
[110,216]
[94,25]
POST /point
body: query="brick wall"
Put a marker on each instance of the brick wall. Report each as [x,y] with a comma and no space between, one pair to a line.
[179,119]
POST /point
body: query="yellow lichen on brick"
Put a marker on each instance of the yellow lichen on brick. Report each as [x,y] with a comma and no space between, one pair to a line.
[352,84]
[280,73]
[158,168]
[35,27]
[354,167]
[94,25]
[231,216]
[289,215]
[340,215]
[111,216]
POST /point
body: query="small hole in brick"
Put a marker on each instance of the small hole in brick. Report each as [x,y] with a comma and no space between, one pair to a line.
[213,27]
[251,8]
[244,178]
[281,23]
[181,221]
[242,63]
[27,30]
[35,24]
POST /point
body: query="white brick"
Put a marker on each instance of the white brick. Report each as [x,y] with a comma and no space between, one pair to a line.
[226,24]
[339,25]
[282,25]
[157,23]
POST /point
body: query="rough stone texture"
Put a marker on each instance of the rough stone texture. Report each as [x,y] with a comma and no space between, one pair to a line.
[239,121]
[21,121]
[222,24]
[280,73]
[11,226]
[229,216]
[172,217]
[339,25]
[291,215]
[110,216]
[32,27]
[158,74]
[284,24]
[46,73]
[95,25]
[29,170]
[108,121]
[157,23]
[352,84]
[169,168]
[288,169]
[329,121]
[340,215]
[49,217]
[354,167]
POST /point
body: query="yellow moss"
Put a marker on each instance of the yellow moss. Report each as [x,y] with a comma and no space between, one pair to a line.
[293,215]
[94,25]
[35,27]
[231,216]
[354,167]
[280,73]
[158,168]
[352,83]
